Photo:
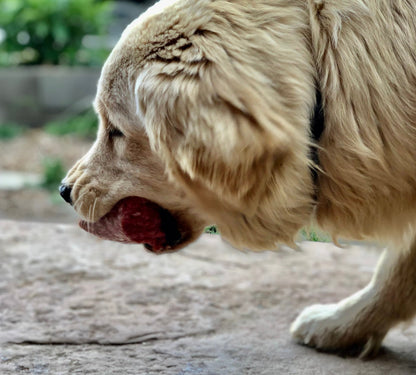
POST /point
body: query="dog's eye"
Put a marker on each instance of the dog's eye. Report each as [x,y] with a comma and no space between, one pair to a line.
[114,132]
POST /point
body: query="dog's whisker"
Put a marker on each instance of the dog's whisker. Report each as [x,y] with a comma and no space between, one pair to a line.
[89,216]
[94,206]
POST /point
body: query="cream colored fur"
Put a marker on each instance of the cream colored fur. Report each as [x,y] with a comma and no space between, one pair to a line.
[215,97]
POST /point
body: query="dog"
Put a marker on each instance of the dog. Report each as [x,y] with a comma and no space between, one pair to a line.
[262,117]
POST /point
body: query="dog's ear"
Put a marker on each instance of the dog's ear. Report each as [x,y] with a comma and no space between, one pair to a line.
[221,132]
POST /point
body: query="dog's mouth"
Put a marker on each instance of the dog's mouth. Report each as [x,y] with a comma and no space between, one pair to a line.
[138,220]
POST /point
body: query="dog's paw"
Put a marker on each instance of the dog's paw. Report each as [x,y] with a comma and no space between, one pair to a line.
[316,326]
[333,329]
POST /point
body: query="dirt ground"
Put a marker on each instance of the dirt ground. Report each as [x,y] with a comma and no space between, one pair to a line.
[26,153]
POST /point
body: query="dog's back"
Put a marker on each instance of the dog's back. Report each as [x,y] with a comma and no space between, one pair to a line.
[365,53]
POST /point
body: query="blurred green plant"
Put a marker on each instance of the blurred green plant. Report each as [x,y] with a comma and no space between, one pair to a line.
[212,230]
[10,131]
[52,31]
[84,125]
[53,173]
[314,235]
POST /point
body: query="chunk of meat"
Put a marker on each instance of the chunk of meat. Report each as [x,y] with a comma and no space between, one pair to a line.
[137,220]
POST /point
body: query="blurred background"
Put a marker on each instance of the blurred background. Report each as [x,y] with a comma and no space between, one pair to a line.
[51,53]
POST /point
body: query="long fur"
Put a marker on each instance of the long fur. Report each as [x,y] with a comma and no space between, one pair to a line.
[366,61]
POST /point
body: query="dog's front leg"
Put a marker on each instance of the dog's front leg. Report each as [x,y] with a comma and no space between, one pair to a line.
[358,324]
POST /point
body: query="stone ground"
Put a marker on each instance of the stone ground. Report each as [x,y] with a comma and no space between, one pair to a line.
[73,304]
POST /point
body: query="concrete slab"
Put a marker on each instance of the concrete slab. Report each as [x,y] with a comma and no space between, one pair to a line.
[72,304]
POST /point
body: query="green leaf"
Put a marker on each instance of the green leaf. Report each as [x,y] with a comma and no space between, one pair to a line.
[60,33]
[41,29]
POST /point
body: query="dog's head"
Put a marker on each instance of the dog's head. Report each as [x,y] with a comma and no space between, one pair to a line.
[204,111]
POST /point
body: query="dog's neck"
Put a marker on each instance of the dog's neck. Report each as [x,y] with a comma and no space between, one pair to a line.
[317,126]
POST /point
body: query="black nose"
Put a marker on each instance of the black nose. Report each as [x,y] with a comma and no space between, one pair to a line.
[65,192]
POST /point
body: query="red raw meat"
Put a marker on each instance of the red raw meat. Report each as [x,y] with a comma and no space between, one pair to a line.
[136,220]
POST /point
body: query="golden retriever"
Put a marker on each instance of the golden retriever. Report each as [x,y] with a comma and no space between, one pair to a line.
[206,111]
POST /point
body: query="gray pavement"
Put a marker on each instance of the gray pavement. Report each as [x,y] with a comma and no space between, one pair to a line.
[73,304]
